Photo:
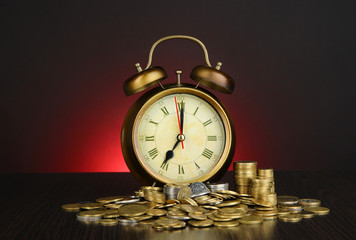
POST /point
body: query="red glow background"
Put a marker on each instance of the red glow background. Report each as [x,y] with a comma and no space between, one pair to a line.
[64,65]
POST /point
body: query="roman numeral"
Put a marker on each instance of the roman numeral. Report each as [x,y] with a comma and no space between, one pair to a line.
[180,169]
[197,166]
[153,122]
[207,123]
[196,110]
[164,165]
[181,105]
[165,111]
[153,153]
[150,138]
[212,138]
[207,153]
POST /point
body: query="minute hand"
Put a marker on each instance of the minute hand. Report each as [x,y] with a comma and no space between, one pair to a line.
[182,116]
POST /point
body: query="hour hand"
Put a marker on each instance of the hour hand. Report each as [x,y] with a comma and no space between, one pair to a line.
[169,153]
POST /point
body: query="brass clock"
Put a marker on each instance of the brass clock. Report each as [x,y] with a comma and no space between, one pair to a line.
[178,133]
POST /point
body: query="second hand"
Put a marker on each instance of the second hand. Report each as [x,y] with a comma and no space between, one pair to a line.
[180,127]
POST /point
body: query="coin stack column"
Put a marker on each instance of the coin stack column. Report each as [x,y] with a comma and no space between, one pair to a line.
[244,173]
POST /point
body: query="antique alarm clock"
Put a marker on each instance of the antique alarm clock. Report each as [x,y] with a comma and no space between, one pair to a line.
[178,133]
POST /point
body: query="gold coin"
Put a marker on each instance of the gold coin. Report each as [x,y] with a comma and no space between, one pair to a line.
[210,207]
[158,227]
[269,217]
[227,224]
[156,212]
[231,210]
[176,212]
[92,213]
[282,211]
[151,205]
[309,202]
[147,222]
[290,218]
[72,207]
[219,219]
[108,222]
[266,213]
[204,223]
[189,201]
[229,203]
[172,201]
[132,210]
[306,214]
[242,207]
[167,205]
[105,200]
[167,222]
[111,214]
[113,205]
[251,220]
[211,211]
[184,192]
[190,208]
[230,192]
[140,218]
[91,206]
[318,210]
[198,215]
[294,207]
[260,208]
[287,200]
[181,224]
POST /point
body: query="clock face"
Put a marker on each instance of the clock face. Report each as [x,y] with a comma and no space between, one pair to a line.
[179,137]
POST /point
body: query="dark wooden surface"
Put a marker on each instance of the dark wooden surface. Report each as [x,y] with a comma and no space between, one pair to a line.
[31,208]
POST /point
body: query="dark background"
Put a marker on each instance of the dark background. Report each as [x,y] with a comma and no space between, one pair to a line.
[63,64]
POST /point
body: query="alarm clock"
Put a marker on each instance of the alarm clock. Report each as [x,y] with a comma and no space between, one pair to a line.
[178,133]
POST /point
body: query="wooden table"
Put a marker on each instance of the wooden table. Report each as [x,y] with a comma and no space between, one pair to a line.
[31,208]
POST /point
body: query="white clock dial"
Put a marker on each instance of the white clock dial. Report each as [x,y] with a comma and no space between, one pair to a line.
[158,131]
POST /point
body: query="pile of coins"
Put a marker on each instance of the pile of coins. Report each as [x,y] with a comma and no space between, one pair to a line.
[293,209]
[196,206]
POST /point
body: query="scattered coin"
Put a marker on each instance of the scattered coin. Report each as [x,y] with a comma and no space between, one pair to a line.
[198,215]
[309,202]
[306,214]
[318,210]
[105,200]
[204,223]
[73,207]
[132,210]
[91,206]
[108,222]
[290,218]
[251,220]
[156,212]
[227,224]
[287,200]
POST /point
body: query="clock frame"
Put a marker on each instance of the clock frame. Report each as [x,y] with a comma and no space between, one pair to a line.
[128,142]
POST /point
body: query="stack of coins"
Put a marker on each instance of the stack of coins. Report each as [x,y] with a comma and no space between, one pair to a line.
[215,187]
[261,191]
[266,173]
[153,194]
[171,191]
[244,172]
